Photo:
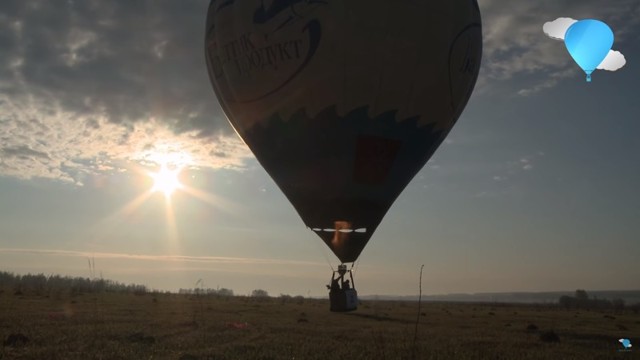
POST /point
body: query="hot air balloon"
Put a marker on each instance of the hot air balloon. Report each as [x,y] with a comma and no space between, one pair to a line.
[343,102]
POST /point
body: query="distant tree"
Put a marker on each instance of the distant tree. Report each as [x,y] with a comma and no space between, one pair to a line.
[581,295]
[567,302]
[259,293]
[582,299]
[224,292]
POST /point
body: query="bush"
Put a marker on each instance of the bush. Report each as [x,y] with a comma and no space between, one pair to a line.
[284,298]
[549,336]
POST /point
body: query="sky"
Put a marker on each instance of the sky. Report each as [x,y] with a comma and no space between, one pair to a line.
[535,188]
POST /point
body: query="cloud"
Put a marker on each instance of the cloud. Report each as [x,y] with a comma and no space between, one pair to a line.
[514,168]
[557,28]
[127,60]
[512,46]
[552,80]
[525,163]
[613,61]
[87,85]
[507,177]
[48,142]
[22,151]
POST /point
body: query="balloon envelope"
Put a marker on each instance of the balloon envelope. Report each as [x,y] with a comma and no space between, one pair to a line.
[588,41]
[343,102]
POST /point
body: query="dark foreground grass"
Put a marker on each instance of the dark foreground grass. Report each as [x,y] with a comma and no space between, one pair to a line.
[114,326]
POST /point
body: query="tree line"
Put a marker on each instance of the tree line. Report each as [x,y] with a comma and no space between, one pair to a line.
[582,300]
[43,284]
[224,292]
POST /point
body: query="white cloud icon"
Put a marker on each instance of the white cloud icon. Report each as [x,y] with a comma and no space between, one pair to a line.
[614,61]
[557,28]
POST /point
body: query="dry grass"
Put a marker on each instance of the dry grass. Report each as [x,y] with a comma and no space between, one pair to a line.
[111,326]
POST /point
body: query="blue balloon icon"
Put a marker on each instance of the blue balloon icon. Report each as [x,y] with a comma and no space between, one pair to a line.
[588,42]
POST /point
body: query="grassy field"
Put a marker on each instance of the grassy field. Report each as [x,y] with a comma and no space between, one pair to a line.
[163,326]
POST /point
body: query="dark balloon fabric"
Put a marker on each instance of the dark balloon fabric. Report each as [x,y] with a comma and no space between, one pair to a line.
[343,102]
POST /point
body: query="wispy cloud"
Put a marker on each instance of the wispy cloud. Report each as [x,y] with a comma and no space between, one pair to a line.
[525,163]
[159,258]
[507,176]
[551,81]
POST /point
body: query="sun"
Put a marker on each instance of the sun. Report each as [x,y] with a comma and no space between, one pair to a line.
[166,180]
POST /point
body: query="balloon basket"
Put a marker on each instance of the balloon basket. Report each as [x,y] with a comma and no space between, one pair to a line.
[343,296]
[343,301]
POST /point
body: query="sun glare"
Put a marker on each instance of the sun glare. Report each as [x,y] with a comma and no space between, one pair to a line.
[166,180]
